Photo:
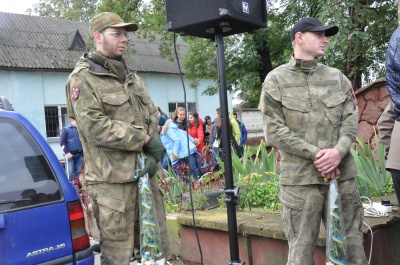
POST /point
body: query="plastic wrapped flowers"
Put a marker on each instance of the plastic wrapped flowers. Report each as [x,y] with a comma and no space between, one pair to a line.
[336,246]
[150,242]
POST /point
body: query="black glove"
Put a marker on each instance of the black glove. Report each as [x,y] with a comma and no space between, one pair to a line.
[150,166]
[154,148]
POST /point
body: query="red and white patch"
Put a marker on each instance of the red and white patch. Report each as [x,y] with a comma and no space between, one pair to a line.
[352,92]
[75,92]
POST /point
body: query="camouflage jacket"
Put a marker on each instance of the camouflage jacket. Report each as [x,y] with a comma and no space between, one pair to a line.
[308,107]
[112,120]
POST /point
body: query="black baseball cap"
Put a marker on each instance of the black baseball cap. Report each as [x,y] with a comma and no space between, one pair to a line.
[312,24]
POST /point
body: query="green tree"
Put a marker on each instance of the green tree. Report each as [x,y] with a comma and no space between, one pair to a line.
[358,49]
[77,10]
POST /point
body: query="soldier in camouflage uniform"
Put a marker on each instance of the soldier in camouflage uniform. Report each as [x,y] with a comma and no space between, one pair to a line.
[310,114]
[116,121]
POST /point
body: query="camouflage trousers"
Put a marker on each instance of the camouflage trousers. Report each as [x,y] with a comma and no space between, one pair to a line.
[303,208]
[115,207]
[116,210]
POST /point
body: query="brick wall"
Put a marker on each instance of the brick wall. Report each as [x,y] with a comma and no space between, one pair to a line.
[371,100]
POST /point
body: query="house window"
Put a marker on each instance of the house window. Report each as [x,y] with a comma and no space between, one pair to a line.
[172,106]
[56,119]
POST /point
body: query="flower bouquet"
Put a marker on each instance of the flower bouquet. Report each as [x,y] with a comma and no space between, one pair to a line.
[336,245]
[150,242]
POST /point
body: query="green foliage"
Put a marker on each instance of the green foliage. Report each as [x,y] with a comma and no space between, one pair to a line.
[358,49]
[198,198]
[173,187]
[256,175]
[257,193]
[373,180]
[77,10]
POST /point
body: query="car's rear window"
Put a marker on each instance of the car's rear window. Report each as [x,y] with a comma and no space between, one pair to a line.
[26,178]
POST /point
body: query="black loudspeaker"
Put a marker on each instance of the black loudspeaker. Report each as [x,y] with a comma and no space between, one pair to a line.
[200,18]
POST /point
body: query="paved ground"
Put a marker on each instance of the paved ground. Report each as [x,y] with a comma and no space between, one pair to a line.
[169,262]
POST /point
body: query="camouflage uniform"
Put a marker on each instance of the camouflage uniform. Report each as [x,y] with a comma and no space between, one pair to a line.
[308,107]
[113,118]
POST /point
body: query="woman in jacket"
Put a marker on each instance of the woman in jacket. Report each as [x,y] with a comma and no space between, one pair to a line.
[180,118]
[196,130]
[175,142]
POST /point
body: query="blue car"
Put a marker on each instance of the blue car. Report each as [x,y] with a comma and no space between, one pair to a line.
[41,216]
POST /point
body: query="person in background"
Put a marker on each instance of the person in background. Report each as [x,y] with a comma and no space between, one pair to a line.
[72,148]
[216,133]
[235,128]
[235,135]
[389,140]
[393,87]
[207,129]
[117,121]
[162,117]
[176,144]
[310,114]
[243,132]
[180,118]
[196,130]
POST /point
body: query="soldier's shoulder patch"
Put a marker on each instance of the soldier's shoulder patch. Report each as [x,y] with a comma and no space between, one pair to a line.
[75,92]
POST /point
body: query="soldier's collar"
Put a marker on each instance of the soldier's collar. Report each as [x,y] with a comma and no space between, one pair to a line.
[304,64]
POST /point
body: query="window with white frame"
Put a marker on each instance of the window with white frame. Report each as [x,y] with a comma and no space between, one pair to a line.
[172,106]
[56,119]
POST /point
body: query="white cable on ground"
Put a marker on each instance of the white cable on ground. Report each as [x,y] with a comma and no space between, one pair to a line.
[372,241]
[374,210]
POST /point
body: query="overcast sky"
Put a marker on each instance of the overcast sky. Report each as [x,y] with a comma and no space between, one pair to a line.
[16,6]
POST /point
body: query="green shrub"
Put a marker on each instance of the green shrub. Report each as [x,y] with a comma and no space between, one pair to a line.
[373,180]
[174,186]
[256,175]
[198,198]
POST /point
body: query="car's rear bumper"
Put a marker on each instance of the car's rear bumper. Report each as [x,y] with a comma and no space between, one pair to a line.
[84,257]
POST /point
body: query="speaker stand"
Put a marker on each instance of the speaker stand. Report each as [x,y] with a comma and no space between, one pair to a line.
[231,193]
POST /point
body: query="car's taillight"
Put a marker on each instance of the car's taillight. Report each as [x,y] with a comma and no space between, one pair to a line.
[80,238]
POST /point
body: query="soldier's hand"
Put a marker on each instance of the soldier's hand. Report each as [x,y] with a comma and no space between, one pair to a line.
[327,160]
[154,148]
[150,166]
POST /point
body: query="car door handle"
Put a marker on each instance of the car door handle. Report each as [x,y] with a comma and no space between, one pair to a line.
[2,222]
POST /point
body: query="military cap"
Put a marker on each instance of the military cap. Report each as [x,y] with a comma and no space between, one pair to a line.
[109,19]
[312,24]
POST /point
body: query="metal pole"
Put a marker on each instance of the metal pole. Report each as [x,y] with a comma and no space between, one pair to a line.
[230,193]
